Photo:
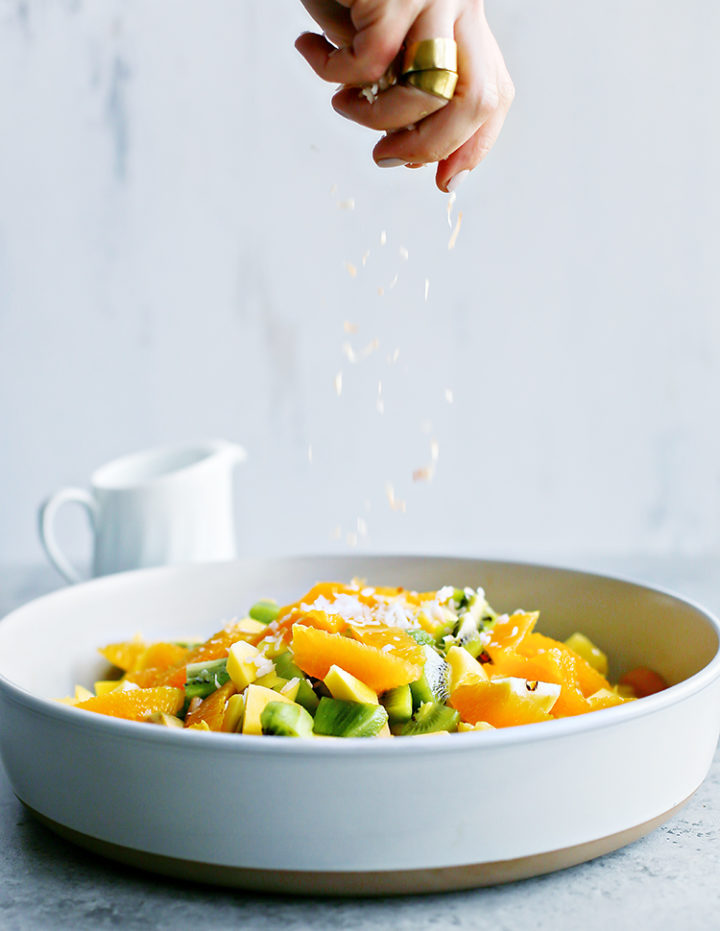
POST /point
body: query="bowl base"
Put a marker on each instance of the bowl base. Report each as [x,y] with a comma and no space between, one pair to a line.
[360,884]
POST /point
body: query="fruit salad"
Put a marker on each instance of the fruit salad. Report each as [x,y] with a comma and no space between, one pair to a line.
[353,660]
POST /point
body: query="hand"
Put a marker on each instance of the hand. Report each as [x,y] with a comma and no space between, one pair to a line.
[363,38]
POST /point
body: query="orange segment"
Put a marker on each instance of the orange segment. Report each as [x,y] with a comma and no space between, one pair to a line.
[135,704]
[124,655]
[644,681]
[480,701]
[147,678]
[589,679]
[511,631]
[390,639]
[161,656]
[212,709]
[322,620]
[316,651]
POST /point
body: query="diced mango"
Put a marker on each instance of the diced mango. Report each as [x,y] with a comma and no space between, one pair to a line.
[585,648]
[347,687]
[240,666]
[463,668]
[256,697]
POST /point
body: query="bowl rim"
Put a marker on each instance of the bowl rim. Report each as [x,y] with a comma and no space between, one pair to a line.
[120,729]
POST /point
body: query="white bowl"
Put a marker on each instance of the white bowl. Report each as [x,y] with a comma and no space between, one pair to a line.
[355,816]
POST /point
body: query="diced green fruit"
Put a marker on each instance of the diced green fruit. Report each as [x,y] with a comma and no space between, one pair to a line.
[285,666]
[430,717]
[164,719]
[242,664]
[433,683]
[474,646]
[463,667]
[234,712]
[398,703]
[584,647]
[336,718]
[421,637]
[264,611]
[256,697]
[286,720]
[345,686]
[306,696]
[201,679]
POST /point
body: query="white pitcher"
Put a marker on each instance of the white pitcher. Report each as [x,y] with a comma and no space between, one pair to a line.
[153,508]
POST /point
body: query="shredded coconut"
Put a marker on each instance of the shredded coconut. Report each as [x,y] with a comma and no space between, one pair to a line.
[455,232]
[395,503]
[352,270]
[427,288]
[338,384]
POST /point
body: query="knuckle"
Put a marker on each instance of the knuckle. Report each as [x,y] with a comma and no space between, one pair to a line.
[507,92]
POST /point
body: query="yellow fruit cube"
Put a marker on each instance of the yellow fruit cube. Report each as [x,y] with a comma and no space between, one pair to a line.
[241,665]
[346,687]
[256,697]
[463,668]
[234,711]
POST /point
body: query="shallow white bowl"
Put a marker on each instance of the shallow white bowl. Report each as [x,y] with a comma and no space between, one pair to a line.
[355,816]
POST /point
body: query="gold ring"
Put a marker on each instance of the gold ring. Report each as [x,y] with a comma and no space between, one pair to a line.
[436,81]
[430,55]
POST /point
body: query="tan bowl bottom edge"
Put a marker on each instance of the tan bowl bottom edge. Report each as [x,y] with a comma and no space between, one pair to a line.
[360,883]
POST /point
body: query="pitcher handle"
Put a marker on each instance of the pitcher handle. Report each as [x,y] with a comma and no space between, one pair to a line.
[46,518]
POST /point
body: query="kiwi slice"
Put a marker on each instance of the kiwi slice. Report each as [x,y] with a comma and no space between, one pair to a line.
[337,718]
[421,636]
[431,716]
[398,703]
[285,666]
[286,720]
[433,684]
[203,678]
[306,696]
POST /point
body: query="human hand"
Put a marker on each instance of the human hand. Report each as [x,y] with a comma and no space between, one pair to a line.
[362,38]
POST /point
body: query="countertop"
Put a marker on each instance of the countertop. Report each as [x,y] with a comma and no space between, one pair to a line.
[668,880]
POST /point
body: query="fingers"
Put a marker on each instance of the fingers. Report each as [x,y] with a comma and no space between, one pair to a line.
[453,170]
[333,18]
[380,31]
[394,108]
[400,106]
[483,96]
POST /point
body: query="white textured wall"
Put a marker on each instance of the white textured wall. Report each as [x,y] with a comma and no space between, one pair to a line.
[172,267]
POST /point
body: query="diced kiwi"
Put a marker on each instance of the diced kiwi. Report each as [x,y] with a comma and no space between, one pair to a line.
[286,720]
[264,611]
[430,717]
[337,718]
[421,636]
[398,703]
[433,683]
[306,696]
[203,678]
[285,666]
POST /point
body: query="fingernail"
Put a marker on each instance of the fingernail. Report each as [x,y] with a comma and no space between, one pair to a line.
[390,162]
[454,183]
